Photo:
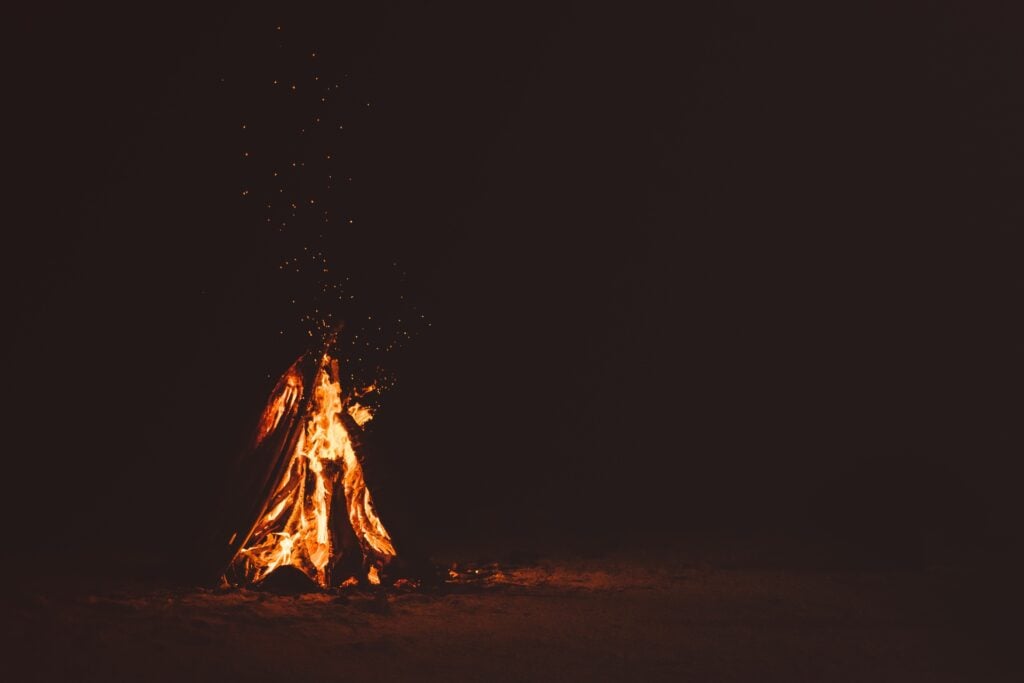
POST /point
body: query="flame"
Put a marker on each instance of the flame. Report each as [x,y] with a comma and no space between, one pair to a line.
[286,394]
[361,414]
[297,526]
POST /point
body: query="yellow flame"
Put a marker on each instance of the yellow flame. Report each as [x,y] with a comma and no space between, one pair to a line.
[360,413]
[297,530]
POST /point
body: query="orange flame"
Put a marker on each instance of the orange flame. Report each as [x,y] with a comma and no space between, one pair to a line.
[297,526]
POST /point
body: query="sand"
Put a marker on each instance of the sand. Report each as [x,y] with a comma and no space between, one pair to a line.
[606,619]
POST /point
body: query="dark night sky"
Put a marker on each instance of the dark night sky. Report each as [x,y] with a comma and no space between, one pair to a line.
[717,269]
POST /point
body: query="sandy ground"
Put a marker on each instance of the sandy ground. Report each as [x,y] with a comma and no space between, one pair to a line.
[609,619]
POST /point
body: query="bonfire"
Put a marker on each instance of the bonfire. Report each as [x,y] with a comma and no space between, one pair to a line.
[312,509]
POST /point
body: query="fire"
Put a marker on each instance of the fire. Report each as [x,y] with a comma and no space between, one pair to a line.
[299,525]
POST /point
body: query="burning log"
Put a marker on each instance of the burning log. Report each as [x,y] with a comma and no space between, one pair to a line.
[288,580]
[313,510]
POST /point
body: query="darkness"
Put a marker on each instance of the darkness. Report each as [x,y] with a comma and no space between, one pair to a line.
[723,269]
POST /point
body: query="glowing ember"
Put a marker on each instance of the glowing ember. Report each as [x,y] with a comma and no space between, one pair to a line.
[300,524]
